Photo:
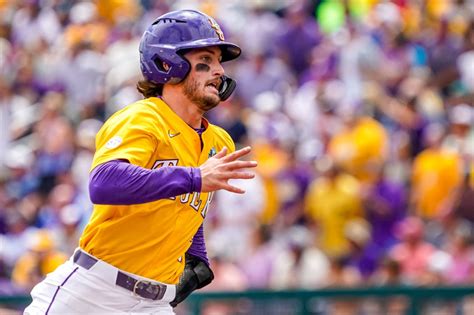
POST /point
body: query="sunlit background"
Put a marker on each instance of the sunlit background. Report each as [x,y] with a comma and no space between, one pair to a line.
[360,113]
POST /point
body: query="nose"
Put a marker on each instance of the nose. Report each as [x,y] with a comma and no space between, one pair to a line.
[218,70]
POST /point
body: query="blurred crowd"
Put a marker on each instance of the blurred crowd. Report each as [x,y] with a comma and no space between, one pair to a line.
[360,113]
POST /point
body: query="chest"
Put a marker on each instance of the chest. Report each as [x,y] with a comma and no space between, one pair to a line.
[184,149]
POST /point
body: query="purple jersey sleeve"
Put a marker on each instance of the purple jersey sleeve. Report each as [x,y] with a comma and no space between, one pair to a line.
[122,183]
[198,247]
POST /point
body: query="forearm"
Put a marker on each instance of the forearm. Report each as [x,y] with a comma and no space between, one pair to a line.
[198,246]
[122,183]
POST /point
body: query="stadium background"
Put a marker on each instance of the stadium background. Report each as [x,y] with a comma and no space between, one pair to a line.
[360,113]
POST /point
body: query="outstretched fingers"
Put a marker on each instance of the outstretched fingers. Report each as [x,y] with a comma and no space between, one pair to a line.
[235,165]
[233,189]
[221,153]
[222,167]
[237,154]
[238,175]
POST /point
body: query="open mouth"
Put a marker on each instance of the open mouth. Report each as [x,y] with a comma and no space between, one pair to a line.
[214,85]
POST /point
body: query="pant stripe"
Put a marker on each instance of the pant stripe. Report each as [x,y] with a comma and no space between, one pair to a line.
[59,287]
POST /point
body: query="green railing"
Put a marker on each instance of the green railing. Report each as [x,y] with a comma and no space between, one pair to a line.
[414,301]
[418,300]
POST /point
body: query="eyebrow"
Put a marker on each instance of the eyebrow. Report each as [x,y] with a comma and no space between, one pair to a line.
[207,50]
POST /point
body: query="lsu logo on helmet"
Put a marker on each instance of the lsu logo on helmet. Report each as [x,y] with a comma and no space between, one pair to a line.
[217,28]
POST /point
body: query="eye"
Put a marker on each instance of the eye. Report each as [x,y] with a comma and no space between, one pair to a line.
[206,59]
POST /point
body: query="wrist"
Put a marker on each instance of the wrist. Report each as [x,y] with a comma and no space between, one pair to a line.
[196,180]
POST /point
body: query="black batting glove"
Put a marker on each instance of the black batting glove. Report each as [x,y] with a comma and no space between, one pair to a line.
[196,275]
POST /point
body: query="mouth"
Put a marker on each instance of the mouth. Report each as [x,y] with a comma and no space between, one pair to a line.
[214,85]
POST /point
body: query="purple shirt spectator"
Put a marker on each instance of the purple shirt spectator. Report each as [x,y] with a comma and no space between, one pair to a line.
[385,206]
[299,36]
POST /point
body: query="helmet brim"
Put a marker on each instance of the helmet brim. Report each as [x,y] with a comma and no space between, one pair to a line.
[230,51]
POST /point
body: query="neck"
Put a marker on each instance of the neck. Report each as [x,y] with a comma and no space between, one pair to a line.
[182,106]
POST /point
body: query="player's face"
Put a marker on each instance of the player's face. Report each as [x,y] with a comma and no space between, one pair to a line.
[202,84]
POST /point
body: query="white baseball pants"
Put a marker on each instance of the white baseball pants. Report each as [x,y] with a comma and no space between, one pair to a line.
[72,289]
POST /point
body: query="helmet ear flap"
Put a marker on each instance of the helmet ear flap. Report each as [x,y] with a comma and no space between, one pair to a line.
[172,72]
[161,65]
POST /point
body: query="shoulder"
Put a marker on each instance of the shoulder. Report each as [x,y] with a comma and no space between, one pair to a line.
[140,113]
[140,117]
[147,107]
[222,136]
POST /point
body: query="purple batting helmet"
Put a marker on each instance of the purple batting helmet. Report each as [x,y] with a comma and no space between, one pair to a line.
[175,32]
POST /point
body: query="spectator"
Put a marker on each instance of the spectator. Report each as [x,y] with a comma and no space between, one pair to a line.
[258,260]
[299,264]
[412,253]
[340,276]
[460,267]
[15,241]
[68,231]
[361,147]
[385,206]
[229,277]
[33,23]
[390,274]
[332,201]
[234,221]
[362,255]
[55,142]
[460,136]
[261,74]
[435,176]
[41,259]
[298,36]
[19,162]
[292,184]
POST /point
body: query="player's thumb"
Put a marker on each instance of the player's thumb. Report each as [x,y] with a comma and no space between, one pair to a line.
[221,153]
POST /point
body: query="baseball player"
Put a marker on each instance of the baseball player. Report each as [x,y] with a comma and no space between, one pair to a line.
[157,164]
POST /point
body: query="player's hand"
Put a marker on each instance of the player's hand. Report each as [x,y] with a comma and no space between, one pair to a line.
[196,275]
[216,172]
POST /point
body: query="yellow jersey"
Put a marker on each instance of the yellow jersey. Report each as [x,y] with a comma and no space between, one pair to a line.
[150,239]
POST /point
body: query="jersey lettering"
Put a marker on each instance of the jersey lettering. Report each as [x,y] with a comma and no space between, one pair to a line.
[165,163]
[196,202]
[207,204]
[184,198]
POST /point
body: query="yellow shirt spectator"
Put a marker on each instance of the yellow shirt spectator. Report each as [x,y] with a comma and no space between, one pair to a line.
[332,202]
[271,161]
[361,148]
[94,34]
[436,174]
[41,259]
[114,11]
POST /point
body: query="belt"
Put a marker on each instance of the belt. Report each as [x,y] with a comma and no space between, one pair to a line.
[142,288]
